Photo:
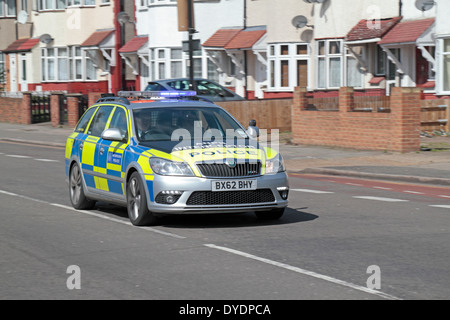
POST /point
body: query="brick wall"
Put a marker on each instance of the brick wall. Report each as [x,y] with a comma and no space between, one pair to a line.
[15,110]
[398,130]
[10,110]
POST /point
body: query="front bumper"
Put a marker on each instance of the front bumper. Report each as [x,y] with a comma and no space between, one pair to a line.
[266,184]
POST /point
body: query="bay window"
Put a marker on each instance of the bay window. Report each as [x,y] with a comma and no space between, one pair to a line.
[288,66]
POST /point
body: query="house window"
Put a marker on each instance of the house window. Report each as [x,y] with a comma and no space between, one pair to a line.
[166,63]
[288,66]
[8,8]
[2,68]
[446,64]
[329,61]
[354,75]
[198,60]
[65,64]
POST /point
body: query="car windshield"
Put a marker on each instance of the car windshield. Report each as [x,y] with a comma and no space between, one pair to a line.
[185,123]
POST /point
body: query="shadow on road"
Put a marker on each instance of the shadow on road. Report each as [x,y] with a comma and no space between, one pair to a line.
[215,220]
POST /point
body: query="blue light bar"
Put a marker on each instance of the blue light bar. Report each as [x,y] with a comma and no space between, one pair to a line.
[156,94]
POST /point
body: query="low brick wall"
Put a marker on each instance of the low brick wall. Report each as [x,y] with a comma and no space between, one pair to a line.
[397,130]
[15,110]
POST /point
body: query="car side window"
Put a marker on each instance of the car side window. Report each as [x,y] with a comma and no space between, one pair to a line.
[119,121]
[99,122]
[84,121]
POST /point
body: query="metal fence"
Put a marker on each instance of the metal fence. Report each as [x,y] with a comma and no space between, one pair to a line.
[40,108]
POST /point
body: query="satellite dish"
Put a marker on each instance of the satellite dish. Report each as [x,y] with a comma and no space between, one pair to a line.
[123,17]
[300,22]
[22,17]
[46,38]
[425,5]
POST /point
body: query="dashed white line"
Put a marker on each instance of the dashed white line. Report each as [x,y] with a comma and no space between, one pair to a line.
[354,184]
[46,160]
[441,206]
[413,192]
[92,214]
[442,196]
[305,272]
[18,156]
[312,191]
[382,188]
[380,199]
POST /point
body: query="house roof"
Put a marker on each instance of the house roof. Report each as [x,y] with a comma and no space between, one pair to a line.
[407,31]
[364,30]
[134,44]
[22,45]
[221,38]
[97,38]
[235,38]
[245,38]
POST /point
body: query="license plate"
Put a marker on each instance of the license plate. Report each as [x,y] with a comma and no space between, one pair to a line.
[233,185]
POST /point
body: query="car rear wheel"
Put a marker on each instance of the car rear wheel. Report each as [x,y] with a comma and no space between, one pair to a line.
[274,214]
[77,196]
[137,202]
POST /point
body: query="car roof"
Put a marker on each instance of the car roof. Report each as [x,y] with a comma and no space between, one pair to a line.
[148,102]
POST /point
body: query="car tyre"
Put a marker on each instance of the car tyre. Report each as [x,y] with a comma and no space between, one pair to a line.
[274,214]
[76,190]
[138,212]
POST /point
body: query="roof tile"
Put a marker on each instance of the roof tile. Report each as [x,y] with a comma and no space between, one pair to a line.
[408,31]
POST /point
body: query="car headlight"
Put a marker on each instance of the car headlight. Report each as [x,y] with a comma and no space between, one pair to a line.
[170,168]
[275,165]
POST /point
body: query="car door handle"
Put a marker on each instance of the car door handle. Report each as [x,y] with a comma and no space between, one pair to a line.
[81,146]
[102,150]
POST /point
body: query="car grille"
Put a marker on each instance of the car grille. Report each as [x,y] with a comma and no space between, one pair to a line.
[222,170]
[200,198]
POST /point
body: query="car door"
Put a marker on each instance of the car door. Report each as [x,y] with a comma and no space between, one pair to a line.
[109,156]
[91,173]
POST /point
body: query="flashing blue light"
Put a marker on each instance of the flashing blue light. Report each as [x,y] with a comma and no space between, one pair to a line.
[156,94]
[178,93]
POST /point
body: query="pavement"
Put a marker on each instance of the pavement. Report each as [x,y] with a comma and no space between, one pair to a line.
[427,167]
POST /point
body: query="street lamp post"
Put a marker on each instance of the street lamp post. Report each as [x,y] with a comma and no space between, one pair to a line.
[191,32]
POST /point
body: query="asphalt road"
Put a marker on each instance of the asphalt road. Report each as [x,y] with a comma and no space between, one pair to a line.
[334,231]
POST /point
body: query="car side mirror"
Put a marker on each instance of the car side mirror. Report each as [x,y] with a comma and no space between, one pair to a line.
[253,130]
[113,134]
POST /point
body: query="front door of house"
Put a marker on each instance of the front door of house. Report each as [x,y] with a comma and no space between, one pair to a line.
[13,72]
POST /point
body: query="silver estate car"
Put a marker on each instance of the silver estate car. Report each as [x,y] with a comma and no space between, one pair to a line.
[168,153]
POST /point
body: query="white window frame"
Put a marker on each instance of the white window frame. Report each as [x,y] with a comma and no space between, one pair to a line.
[4,4]
[72,61]
[327,57]
[275,58]
[2,68]
[440,57]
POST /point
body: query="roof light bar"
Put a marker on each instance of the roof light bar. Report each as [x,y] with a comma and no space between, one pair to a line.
[156,94]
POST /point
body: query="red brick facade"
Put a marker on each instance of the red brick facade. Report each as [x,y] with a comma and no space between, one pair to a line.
[398,130]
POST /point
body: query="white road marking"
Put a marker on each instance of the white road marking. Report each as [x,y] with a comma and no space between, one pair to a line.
[380,199]
[92,214]
[444,196]
[413,192]
[441,206]
[46,160]
[312,191]
[353,184]
[305,272]
[18,156]
[382,188]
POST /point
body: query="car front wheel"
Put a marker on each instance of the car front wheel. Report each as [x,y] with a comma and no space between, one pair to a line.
[137,202]
[77,197]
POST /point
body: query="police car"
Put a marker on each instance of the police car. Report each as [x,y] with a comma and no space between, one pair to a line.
[170,153]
